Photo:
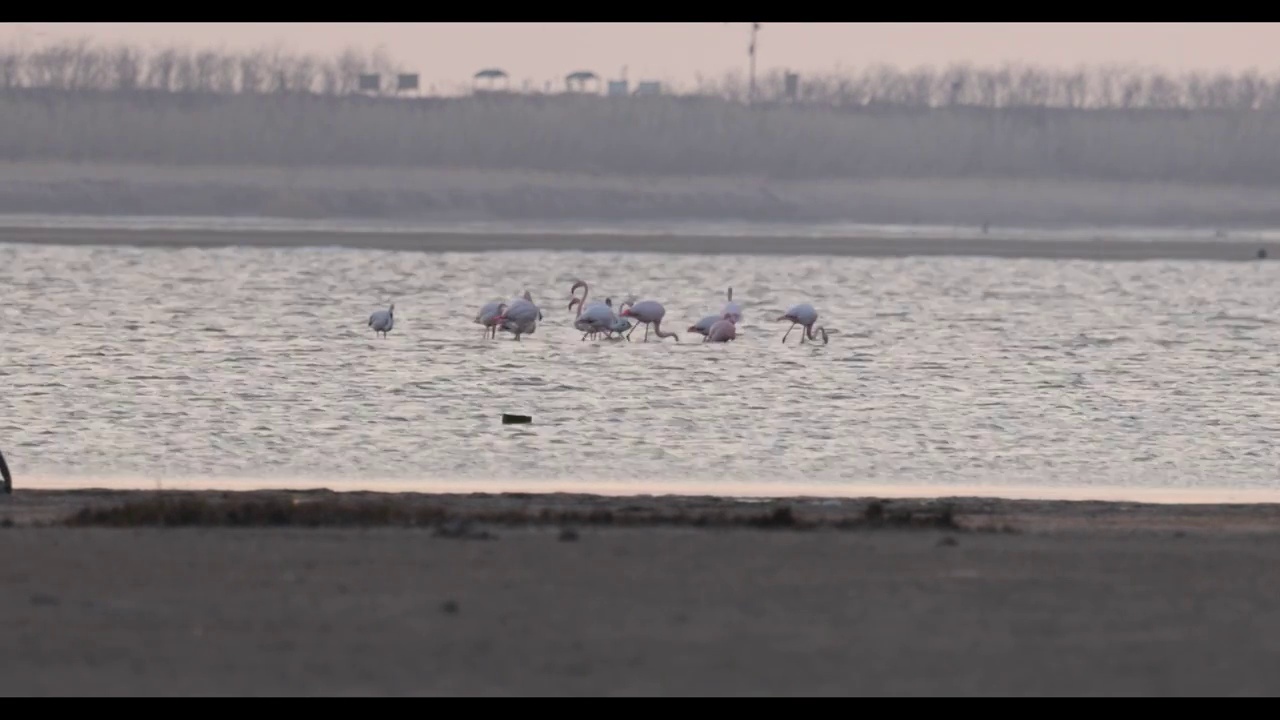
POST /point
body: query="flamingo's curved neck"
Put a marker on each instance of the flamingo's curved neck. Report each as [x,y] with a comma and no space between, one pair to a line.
[657,330]
[814,335]
[586,290]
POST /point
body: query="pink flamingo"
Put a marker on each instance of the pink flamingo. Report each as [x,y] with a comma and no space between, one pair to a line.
[647,311]
[488,317]
[703,326]
[723,330]
[521,316]
[732,310]
[599,318]
[805,316]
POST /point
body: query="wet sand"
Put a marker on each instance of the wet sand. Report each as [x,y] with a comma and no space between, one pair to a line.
[439,242]
[592,595]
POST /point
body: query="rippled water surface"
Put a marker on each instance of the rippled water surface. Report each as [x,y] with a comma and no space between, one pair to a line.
[175,364]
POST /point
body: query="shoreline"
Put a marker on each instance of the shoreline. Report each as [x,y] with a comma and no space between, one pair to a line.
[443,242]
[321,508]
[608,487]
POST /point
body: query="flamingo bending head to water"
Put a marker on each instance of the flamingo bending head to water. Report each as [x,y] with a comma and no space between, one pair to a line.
[648,312]
[521,316]
[383,320]
[703,326]
[620,324]
[488,317]
[805,316]
[723,330]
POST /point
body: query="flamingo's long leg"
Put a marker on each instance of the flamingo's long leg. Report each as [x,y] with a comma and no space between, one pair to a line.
[784,337]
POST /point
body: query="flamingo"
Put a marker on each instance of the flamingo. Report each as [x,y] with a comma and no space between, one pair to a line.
[703,326]
[383,320]
[732,310]
[620,325]
[4,475]
[724,330]
[805,316]
[521,316]
[615,324]
[599,320]
[488,317]
[594,320]
[648,312]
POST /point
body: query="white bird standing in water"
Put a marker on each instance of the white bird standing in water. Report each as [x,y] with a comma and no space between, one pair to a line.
[383,320]
[805,316]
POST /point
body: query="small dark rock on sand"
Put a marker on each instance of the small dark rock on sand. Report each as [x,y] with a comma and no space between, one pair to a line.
[462,530]
[44,599]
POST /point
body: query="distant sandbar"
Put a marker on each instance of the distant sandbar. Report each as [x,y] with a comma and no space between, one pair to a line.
[441,242]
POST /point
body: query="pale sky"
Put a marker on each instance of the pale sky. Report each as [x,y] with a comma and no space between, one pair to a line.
[448,54]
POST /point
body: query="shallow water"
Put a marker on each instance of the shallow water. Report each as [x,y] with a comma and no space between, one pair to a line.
[184,364]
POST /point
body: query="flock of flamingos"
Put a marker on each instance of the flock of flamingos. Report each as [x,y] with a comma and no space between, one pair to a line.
[598,319]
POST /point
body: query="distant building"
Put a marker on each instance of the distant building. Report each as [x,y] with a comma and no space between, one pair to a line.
[577,82]
[406,82]
[617,88]
[492,75]
[648,87]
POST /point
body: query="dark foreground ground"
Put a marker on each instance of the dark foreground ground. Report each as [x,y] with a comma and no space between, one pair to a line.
[317,593]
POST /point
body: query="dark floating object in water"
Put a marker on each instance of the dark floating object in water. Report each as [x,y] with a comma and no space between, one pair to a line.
[508,419]
[4,473]
[1262,253]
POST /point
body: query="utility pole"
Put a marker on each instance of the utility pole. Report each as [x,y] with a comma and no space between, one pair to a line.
[751,52]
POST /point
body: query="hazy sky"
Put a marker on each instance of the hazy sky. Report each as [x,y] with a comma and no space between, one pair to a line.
[449,53]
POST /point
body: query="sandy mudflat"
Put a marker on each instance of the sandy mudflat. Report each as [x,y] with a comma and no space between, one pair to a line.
[1102,249]
[1077,598]
[442,194]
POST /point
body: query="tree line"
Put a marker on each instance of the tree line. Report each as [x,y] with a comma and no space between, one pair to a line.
[72,65]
